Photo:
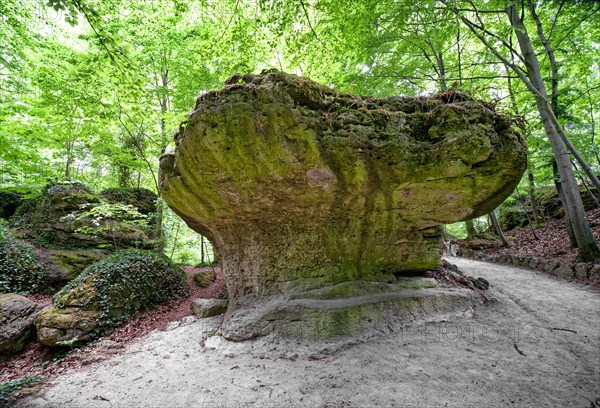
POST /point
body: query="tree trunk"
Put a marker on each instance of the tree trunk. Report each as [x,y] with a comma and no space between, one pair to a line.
[498,229]
[164,107]
[470,226]
[69,160]
[561,196]
[588,249]
[554,97]
[202,249]
[532,200]
[158,224]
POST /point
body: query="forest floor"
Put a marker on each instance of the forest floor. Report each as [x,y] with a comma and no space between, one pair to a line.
[548,243]
[39,361]
[536,344]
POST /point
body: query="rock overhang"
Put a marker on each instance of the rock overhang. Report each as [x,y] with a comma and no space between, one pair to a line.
[301,187]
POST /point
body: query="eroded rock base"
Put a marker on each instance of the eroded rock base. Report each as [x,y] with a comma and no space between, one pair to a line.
[346,309]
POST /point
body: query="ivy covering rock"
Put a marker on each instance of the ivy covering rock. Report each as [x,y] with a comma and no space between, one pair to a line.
[107,293]
[20,269]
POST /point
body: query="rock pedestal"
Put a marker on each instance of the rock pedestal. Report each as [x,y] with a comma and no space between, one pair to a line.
[302,188]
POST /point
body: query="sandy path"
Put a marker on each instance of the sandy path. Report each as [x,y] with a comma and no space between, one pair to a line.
[509,354]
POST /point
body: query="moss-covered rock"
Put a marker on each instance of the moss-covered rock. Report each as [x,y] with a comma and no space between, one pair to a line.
[107,293]
[300,187]
[64,265]
[17,314]
[20,268]
[205,278]
[141,198]
[71,215]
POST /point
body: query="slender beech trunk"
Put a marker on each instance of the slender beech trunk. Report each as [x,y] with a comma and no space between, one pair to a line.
[554,97]
[201,249]
[532,199]
[561,196]
[587,247]
[459,54]
[164,107]
[498,229]
[530,178]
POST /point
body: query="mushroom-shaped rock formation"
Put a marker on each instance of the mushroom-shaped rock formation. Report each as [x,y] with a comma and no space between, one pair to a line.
[312,194]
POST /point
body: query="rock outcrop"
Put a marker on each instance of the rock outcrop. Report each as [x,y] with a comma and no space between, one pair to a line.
[304,189]
[106,294]
[17,314]
[71,215]
[64,265]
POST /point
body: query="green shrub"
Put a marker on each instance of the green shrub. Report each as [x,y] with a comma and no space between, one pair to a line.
[20,270]
[4,231]
[9,202]
[123,284]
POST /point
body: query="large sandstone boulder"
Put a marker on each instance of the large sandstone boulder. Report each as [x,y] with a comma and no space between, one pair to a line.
[302,188]
[17,314]
[107,293]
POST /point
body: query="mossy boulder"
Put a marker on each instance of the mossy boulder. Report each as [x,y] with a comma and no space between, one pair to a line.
[70,215]
[107,293]
[64,265]
[301,187]
[20,268]
[205,278]
[17,314]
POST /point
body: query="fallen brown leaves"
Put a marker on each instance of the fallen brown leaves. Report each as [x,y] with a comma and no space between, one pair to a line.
[38,360]
[553,243]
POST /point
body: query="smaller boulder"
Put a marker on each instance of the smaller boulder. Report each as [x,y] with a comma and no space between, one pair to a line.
[581,270]
[17,314]
[66,327]
[595,272]
[479,283]
[205,278]
[208,307]
[478,244]
[564,271]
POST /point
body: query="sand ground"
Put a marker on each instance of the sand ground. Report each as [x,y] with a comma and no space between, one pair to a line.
[536,345]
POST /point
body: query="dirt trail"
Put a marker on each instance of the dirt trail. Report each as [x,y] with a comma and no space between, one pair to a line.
[536,345]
